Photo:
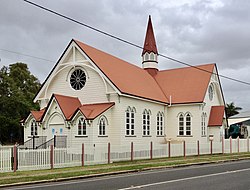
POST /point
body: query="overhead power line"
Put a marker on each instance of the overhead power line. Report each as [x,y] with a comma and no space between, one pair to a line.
[26,55]
[127,42]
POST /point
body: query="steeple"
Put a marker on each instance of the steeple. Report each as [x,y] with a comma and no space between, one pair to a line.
[150,53]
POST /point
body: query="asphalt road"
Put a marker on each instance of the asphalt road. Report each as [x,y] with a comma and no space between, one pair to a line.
[228,176]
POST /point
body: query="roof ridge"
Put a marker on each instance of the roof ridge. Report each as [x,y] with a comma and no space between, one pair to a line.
[187,67]
[97,103]
[132,64]
[66,96]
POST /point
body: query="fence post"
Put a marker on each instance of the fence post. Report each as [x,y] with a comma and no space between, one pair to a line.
[184,149]
[211,147]
[238,143]
[54,140]
[15,158]
[33,138]
[169,149]
[108,153]
[231,145]
[247,144]
[198,148]
[223,145]
[51,156]
[132,151]
[151,150]
[82,154]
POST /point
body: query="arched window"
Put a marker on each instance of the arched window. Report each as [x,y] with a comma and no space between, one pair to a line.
[146,122]
[185,124]
[130,121]
[102,127]
[152,56]
[203,124]
[211,92]
[82,127]
[146,56]
[33,128]
[188,124]
[181,124]
[159,124]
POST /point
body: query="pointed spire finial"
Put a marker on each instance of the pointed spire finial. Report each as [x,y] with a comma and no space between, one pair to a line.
[149,43]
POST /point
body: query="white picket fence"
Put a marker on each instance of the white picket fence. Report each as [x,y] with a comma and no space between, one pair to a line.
[100,154]
[5,159]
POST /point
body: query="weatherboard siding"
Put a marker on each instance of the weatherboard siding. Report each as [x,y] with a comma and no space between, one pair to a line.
[94,90]
[173,122]
[140,106]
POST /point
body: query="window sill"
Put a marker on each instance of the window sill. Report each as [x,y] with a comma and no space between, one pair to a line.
[130,135]
[146,136]
[184,135]
[159,135]
[102,135]
[81,136]
[204,136]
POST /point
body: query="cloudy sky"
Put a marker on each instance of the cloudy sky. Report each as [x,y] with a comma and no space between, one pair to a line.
[193,31]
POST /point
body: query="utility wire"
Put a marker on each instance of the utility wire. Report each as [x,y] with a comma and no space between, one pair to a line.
[9,51]
[127,42]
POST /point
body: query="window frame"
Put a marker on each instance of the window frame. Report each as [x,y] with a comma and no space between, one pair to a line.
[211,92]
[82,125]
[33,128]
[102,127]
[130,122]
[160,124]
[185,124]
[79,81]
[203,124]
[146,123]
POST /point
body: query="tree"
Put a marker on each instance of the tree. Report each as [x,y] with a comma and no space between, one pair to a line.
[231,109]
[17,89]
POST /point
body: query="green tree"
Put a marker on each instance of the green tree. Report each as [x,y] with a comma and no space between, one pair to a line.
[17,89]
[231,109]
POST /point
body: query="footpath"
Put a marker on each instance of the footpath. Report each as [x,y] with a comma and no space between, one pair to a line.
[61,174]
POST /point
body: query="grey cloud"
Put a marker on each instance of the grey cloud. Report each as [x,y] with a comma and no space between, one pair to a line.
[196,32]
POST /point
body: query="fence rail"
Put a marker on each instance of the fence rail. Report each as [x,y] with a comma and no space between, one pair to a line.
[5,159]
[12,159]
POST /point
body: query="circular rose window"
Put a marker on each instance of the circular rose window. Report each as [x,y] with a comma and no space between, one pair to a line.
[78,79]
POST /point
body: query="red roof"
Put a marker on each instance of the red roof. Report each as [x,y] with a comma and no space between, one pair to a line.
[67,104]
[128,78]
[149,43]
[185,85]
[91,111]
[70,106]
[38,114]
[216,116]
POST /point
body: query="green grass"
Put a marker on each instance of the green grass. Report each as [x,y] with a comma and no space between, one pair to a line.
[126,166]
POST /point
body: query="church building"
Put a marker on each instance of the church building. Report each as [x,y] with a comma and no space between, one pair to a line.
[93,97]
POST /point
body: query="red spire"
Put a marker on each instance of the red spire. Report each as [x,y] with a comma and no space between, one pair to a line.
[149,43]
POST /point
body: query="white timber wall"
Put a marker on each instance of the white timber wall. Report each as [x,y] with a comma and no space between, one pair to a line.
[96,86]
[94,90]
[27,128]
[118,120]
[92,138]
[173,122]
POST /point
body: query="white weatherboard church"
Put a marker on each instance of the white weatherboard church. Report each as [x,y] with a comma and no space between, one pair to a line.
[93,97]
